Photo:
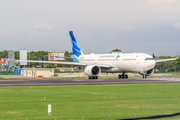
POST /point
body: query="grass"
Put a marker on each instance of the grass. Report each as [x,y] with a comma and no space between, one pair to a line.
[93,102]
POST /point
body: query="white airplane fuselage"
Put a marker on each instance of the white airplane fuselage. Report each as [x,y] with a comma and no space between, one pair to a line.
[121,62]
[110,63]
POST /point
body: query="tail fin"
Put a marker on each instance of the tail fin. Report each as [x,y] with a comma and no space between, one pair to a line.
[75,47]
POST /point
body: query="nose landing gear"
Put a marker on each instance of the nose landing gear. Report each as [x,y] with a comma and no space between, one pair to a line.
[144,76]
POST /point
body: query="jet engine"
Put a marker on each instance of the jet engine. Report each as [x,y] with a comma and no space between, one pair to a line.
[92,70]
[147,73]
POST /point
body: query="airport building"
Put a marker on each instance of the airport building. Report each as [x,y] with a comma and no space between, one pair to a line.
[33,72]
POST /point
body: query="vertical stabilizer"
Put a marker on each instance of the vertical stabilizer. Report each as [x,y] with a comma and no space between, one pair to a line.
[75,47]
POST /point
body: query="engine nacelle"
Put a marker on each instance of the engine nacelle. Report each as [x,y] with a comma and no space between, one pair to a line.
[92,70]
[147,73]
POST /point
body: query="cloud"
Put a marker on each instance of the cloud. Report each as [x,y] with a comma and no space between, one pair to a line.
[128,27]
[176,25]
[161,1]
[16,24]
[42,27]
[40,30]
[2,34]
[109,20]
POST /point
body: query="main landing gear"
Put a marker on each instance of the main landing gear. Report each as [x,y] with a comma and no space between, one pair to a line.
[123,76]
[94,77]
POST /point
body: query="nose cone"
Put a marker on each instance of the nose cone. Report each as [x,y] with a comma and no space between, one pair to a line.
[151,64]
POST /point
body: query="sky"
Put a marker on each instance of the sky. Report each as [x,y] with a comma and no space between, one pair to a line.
[146,26]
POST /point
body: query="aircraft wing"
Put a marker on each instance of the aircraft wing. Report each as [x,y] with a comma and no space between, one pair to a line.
[55,62]
[163,60]
[103,66]
[65,63]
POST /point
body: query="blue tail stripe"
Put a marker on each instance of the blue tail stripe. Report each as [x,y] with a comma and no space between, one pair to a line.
[76,59]
[72,36]
[75,47]
[76,52]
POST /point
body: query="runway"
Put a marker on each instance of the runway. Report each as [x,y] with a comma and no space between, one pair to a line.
[5,83]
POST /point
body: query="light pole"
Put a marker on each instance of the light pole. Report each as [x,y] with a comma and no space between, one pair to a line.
[29,56]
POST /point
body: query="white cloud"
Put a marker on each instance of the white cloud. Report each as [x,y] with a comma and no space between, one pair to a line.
[40,30]
[109,20]
[42,27]
[176,25]
[16,24]
[128,27]
[161,1]
[2,34]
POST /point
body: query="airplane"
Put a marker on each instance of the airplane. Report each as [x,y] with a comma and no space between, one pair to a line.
[95,64]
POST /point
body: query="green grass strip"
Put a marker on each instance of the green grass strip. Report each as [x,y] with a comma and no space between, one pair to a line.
[93,102]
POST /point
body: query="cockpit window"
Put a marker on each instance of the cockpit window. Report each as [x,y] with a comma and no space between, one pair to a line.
[149,59]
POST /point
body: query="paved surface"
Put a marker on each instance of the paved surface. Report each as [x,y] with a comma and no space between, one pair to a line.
[4,83]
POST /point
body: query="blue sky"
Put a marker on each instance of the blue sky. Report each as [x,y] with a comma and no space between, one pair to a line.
[147,26]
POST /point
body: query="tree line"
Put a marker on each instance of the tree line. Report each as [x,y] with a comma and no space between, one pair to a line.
[34,55]
[169,66]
